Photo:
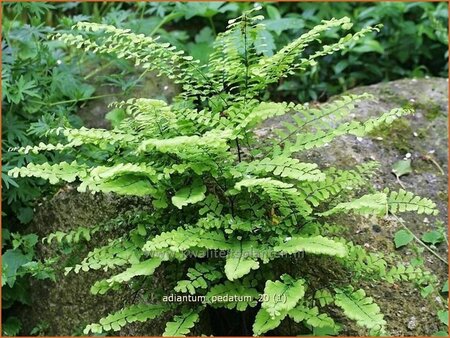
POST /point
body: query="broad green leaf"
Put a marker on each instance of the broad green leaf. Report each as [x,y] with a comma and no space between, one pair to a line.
[433,237]
[402,238]
[402,167]
[443,317]
[12,260]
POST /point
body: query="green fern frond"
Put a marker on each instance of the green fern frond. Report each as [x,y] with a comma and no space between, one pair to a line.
[328,114]
[128,315]
[182,239]
[403,201]
[284,167]
[148,117]
[357,306]
[315,245]
[181,324]
[240,259]
[118,252]
[282,63]
[260,113]
[67,172]
[336,181]
[237,295]
[324,297]
[73,236]
[311,316]
[410,274]
[49,147]
[199,276]
[319,138]
[143,50]
[371,204]
[144,268]
[189,195]
[282,295]
[283,195]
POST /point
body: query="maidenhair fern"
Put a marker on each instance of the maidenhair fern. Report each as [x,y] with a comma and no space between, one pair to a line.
[229,209]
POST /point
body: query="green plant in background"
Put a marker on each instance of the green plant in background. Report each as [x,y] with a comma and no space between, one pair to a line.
[39,90]
[412,42]
[231,215]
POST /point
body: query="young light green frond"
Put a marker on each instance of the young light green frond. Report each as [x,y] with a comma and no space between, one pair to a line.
[99,137]
[128,315]
[319,138]
[371,204]
[272,68]
[182,239]
[328,114]
[176,240]
[241,259]
[148,116]
[181,324]
[124,179]
[357,306]
[283,195]
[144,268]
[116,253]
[49,147]
[336,181]
[403,201]
[186,145]
[284,167]
[262,112]
[67,172]
[143,50]
[318,245]
[282,295]
[237,295]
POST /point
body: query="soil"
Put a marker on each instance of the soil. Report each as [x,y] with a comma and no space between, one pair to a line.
[67,306]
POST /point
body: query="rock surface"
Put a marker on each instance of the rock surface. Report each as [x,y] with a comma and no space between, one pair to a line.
[67,306]
[421,137]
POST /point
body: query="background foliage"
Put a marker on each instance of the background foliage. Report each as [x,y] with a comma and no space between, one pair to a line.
[44,85]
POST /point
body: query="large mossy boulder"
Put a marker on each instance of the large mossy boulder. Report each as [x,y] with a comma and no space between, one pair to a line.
[67,306]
